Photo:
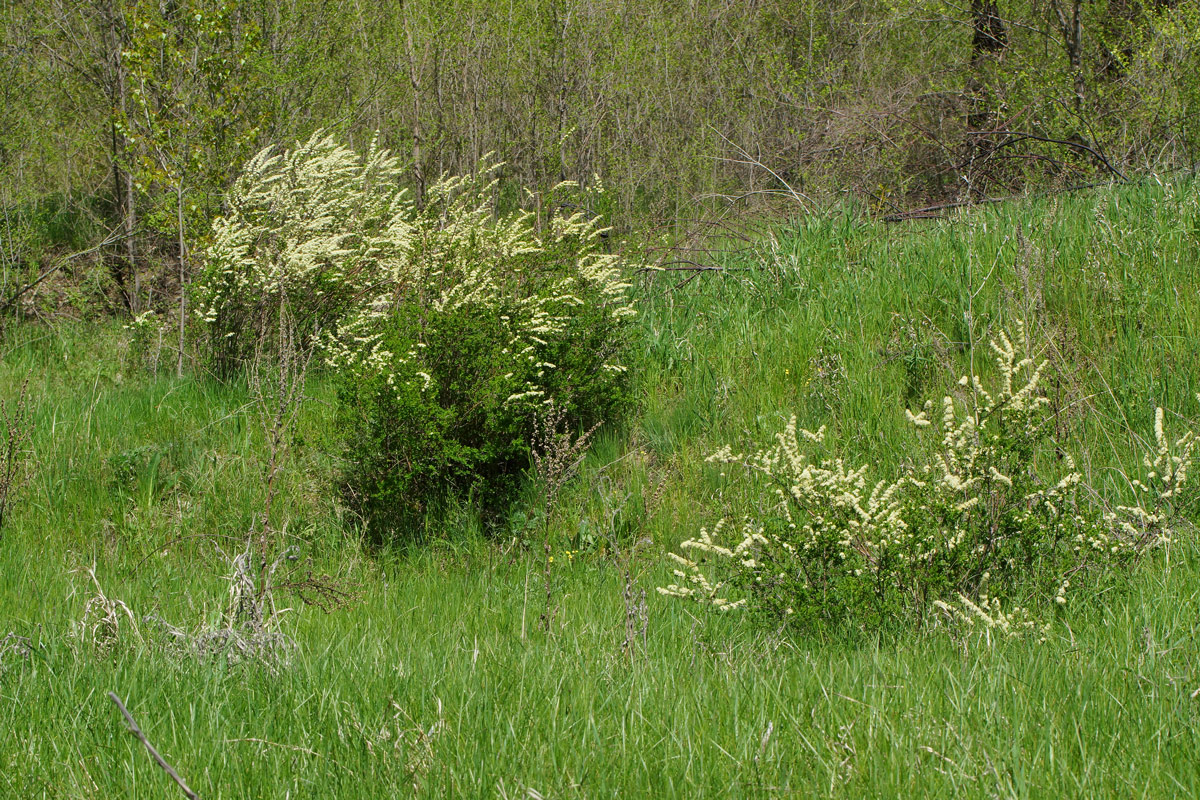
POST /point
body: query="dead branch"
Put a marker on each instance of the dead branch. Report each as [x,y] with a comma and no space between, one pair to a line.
[158,759]
[1017,137]
[934,211]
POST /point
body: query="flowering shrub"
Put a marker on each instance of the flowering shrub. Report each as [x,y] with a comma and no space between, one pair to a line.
[145,340]
[447,326]
[481,325]
[315,227]
[981,520]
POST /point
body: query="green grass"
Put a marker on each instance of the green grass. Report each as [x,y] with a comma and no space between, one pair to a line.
[839,322]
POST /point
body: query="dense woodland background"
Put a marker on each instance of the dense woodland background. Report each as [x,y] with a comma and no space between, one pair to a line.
[125,120]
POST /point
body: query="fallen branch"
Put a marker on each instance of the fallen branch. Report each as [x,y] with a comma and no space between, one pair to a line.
[932,212]
[141,737]
[686,265]
[1018,136]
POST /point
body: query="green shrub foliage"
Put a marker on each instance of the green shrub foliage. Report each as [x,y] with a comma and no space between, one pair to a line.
[998,512]
[448,327]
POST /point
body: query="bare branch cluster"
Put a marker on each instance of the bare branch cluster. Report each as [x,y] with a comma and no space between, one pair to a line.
[557,452]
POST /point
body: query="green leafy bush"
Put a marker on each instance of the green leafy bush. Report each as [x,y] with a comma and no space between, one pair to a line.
[448,327]
[994,514]
[486,322]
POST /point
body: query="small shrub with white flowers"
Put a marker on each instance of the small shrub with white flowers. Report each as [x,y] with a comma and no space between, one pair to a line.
[989,517]
[146,332]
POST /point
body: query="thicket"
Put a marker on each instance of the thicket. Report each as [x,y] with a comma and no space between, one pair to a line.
[449,327]
[139,113]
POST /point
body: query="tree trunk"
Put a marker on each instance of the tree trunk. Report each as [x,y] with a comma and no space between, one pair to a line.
[988,44]
[182,277]
[414,78]
[123,193]
[1071,26]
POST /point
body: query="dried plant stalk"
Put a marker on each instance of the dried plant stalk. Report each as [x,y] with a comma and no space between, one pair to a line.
[17,430]
[557,455]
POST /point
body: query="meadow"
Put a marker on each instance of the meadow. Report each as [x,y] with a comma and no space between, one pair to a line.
[436,677]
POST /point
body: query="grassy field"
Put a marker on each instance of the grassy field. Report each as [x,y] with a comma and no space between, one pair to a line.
[438,680]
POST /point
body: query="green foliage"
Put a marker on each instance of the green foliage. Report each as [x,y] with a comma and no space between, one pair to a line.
[33,234]
[407,448]
[668,105]
[189,118]
[51,224]
[484,323]
[986,517]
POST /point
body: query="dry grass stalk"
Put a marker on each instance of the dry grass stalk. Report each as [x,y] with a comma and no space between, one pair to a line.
[557,455]
[16,429]
[403,735]
[637,620]
[633,594]
[100,624]
[249,629]
[15,648]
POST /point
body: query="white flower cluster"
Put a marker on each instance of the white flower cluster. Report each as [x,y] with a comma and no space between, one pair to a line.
[145,341]
[696,584]
[315,226]
[980,508]
[1160,497]
[989,619]
[459,257]
[330,233]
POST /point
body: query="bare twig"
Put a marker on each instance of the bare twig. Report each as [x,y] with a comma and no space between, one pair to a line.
[277,381]
[158,759]
[294,747]
[801,199]
[277,387]
[636,613]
